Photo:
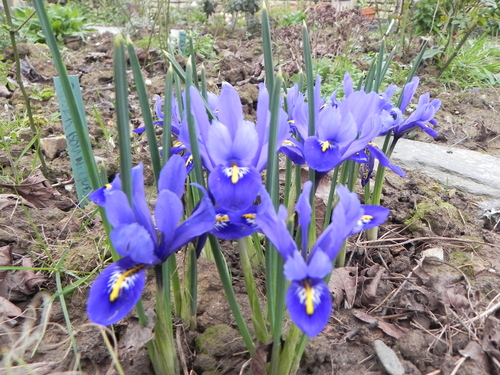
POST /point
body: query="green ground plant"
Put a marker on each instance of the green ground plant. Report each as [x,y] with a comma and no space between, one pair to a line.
[66,22]
[476,64]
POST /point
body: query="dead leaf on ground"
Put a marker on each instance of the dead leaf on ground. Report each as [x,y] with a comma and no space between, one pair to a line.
[135,337]
[491,338]
[451,291]
[8,200]
[22,283]
[37,190]
[5,261]
[343,284]
[474,351]
[417,298]
[388,328]
[8,309]
[369,294]
[259,360]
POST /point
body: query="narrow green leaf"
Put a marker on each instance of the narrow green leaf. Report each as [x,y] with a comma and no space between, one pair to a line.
[268,50]
[122,115]
[145,109]
[167,115]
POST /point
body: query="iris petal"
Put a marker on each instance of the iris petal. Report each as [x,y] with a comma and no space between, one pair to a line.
[118,210]
[318,159]
[293,150]
[233,187]
[122,281]
[295,267]
[232,225]
[303,208]
[140,206]
[168,214]
[384,161]
[201,221]
[230,109]
[173,175]
[310,324]
[134,241]
[372,216]
[273,226]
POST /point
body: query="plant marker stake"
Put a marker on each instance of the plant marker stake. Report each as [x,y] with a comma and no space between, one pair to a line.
[80,173]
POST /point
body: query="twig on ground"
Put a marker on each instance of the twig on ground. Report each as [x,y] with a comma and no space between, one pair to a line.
[457,367]
[178,334]
[390,297]
[373,242]
[485,314]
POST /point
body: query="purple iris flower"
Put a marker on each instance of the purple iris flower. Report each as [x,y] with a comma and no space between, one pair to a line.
[421,117]
[176,122]
[343,127]
[232,225]
[233,150]
[367,160]
[308,298]
[135,237]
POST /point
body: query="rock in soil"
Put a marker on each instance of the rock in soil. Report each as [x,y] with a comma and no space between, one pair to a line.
[388,358]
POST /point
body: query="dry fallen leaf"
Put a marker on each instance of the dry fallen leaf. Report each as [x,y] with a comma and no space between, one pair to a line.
[22,283]
[451,291]
[343,284]
[37,190]
[491,338]
[260,359]
[388,328]
[8,309]
[5,261]
[474,351]
[417,298]
[7,200]
[370,292]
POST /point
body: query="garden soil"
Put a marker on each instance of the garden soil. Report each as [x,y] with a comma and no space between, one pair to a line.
[426,288]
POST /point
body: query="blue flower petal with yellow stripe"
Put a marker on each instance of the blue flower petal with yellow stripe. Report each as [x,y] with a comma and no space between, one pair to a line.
[308,298]
[116,291]
[142,242]
[232,225]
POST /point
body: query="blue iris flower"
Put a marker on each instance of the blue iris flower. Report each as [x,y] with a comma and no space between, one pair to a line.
[232,225]
[140,241]
[308,298]
[343,127]
[421,117]
[233,150]
[176,122]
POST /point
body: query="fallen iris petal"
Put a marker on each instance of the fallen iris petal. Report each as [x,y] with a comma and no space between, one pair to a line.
[309,304]
[115,291]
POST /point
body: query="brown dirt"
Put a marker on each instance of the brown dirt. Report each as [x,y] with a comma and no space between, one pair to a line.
[424,309]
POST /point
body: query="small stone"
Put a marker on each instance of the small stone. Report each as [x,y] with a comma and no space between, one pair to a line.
[219,340]
[434,252]
[204,362]
[388,358]
[52,146]
[25,134]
